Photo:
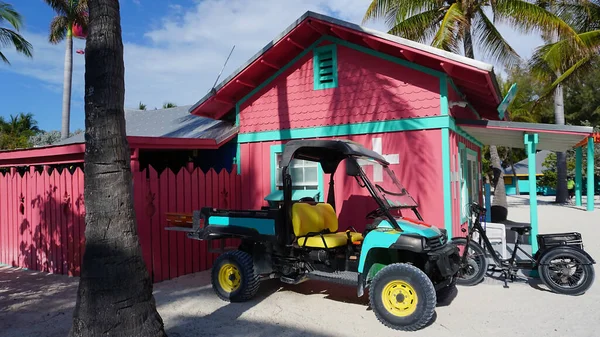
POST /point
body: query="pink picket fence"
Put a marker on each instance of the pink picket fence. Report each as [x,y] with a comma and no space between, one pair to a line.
[42,218]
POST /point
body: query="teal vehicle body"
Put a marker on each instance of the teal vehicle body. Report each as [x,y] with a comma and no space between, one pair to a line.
[385,236]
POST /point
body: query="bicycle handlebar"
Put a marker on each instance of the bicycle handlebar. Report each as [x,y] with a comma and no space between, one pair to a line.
[477,209]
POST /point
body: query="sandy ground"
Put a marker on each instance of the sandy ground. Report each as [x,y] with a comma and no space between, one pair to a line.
[37,304]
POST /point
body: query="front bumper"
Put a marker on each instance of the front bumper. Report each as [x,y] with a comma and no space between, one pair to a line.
[444,260]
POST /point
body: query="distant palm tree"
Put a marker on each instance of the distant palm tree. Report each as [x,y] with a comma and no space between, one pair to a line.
[10,37]
[68,13]
[142,106]
[168,105]
[16,132]
[560,58]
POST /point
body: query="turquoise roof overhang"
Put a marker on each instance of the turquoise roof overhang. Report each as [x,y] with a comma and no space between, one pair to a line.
[552,137]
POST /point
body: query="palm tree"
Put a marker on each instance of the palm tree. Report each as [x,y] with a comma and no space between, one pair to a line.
[141,106]
[10,37]
[447,24]
[68,13]
[168,105]
[559,59]
[16,132]
[115,290]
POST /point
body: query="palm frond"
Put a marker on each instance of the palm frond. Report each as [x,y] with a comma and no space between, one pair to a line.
[80,13]
[564,54]
[10,15]
[420,27]
[582,15]
[61,7]
[9,37]
[58,29]
[448,35]
[528,17]
[491,41]
[395,11]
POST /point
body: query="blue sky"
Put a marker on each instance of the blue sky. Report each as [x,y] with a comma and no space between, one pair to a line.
[173,50]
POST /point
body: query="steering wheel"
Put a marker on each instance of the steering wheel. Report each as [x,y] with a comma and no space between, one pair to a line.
[375,213]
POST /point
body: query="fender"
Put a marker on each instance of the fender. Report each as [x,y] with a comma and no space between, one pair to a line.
[583,252]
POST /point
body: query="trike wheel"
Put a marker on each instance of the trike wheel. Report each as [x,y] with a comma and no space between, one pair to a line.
[566,271]
[473,270]
[402,297]
[233,277]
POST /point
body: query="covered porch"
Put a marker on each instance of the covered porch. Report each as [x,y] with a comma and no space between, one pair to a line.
[533,137]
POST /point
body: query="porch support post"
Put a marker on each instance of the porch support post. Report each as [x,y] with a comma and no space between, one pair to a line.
[590,174]
[578,171]
[531,141]
[488,203]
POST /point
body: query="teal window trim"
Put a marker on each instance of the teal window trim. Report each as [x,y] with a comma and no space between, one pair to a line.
[276,149]
[462,167]
[447,187]
[444,104]
[321,65]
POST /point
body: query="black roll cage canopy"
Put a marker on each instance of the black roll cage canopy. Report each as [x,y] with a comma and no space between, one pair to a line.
[329,153]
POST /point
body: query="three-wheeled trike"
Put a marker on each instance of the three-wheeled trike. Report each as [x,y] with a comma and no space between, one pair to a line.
[406,264]
[561,262]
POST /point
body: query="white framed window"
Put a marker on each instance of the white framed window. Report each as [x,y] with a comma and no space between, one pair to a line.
[469,175]
[304,174]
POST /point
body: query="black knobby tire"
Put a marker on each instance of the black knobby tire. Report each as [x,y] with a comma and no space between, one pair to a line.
[422,286]
[582,270]
[248,285]
[445,293]
[473,272]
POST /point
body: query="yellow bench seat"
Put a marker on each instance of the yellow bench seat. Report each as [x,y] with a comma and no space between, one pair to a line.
[315,218]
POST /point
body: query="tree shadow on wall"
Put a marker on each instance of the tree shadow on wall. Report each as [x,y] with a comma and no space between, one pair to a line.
[54,242]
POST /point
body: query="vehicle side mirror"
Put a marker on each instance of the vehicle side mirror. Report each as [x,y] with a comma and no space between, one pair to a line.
[352,168]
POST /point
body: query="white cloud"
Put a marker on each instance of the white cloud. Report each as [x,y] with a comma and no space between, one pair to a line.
[187,49]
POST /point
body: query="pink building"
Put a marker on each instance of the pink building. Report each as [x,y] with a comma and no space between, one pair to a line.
[325,78]
[426,110]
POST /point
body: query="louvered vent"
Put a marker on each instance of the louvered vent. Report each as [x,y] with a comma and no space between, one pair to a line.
[325,64]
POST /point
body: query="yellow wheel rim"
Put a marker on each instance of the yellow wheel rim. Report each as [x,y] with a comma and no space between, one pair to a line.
[399,298]
[229,277]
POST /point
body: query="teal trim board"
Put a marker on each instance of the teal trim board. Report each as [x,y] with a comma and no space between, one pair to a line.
[462,163]
[408,124]
[446,181]
[444,107]
[590,174]
[325,67]
[531,141]
[578,172]
[263,226]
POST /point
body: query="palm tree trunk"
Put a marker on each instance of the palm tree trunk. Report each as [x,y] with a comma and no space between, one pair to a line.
[561,157]
[68,76]
[500,211]
[515,177]
[115,291]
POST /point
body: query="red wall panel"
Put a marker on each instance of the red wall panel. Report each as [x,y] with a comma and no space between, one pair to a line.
[419,170]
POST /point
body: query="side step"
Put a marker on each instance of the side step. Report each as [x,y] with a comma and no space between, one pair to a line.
[348,278]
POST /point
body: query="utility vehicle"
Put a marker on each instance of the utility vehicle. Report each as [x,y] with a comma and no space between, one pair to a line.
[561,262]
[406,264]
